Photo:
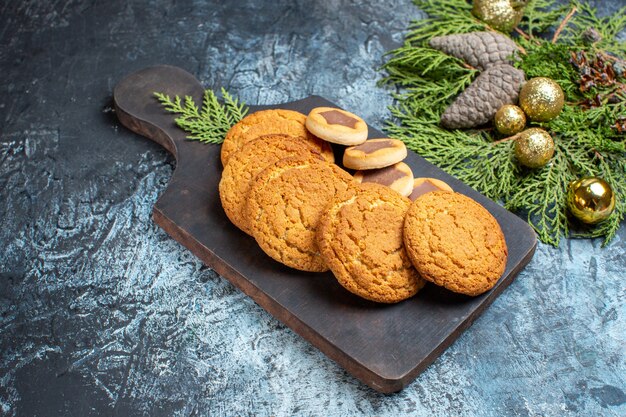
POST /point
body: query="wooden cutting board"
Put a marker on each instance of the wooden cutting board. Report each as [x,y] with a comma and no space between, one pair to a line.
[385,346]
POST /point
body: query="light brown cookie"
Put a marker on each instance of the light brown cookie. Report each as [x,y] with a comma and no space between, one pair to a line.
[398,177]
[247,162]
[425,185]
[284,205]
[336,126]
[455,242]
[360,239]
[374,153]
[267,122]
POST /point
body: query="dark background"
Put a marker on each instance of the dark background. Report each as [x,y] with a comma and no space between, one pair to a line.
[101,313]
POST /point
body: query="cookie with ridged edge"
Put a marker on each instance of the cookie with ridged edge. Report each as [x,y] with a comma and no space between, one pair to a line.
[246,163]
[360,239]
[284,206]
[337,126]
[455,242]
[267,122]
[374,153]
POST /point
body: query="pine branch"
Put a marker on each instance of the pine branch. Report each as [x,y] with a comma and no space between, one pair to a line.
[455,12]
[540,15]
[545,59]
[208,124]
[412,65]
[608,27]
[587,141]
[541,193]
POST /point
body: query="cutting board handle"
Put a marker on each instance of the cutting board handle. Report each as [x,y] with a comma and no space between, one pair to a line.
[138,109]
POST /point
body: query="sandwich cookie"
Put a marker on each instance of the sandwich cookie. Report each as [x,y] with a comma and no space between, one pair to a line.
[374,153]
[337,126]
[398,177]
[455,242]
[424,185]
[267,122]
[284,206]
[246,163]
[360,239]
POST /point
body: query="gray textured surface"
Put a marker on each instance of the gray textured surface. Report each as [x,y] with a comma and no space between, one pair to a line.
[102,313]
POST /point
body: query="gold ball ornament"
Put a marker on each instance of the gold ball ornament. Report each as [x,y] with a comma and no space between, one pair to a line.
[509,119]
[542,99]
[503,15]
[590,199]
[534,147]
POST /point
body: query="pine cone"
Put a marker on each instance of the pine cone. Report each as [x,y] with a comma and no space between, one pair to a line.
[494,87]
[479,49]
[591,36]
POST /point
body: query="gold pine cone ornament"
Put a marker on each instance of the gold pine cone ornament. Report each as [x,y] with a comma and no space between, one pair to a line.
[534,147]
[503,15]
[590,199]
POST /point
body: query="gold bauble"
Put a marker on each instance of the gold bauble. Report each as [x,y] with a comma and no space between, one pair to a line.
[590,199]
[509,119]
[542,99]
[534,147]
[503,15]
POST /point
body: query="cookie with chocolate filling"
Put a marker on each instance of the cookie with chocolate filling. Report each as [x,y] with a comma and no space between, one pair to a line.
[284,206]
[336,126]
[425,185]
[374,153]
[398,177]
[360,239]
[455,242]
[267,122]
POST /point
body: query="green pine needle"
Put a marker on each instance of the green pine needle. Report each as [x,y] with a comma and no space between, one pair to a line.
[609,27]
[210,123]
[456,14]
[586,143]
[541,15]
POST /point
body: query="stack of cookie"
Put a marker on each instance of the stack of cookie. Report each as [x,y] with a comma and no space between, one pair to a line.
[376,161]
[280,185]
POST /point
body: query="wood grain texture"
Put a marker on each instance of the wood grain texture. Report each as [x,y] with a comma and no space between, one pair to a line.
[386,347]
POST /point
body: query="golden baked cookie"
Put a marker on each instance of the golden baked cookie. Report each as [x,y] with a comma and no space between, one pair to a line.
[267,122]
[336,126]
[360,239]
[284,205]
[246,163]
[398,177]
[425,185]
[374,153]
[455,242]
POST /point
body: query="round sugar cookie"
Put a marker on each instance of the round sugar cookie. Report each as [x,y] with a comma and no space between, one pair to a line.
[336,126]
[246,163]
[374,153]
[425,185]
[455,242]
[267,122]
[284,205]
[398,177]
[360,239]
